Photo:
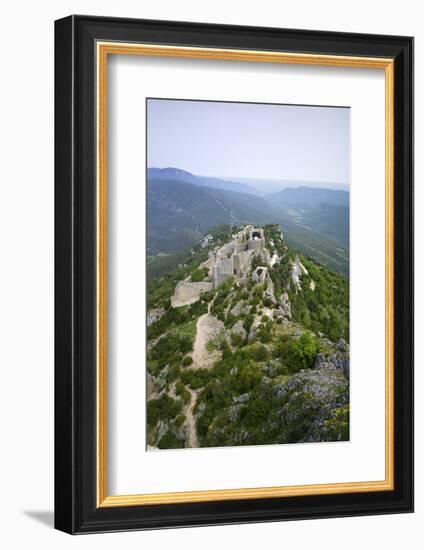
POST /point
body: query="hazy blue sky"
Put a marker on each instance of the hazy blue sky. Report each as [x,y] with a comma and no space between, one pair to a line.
[250,140]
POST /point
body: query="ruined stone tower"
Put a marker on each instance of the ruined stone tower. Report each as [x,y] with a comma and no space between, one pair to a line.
[234,258]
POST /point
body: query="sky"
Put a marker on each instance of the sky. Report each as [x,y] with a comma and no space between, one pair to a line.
[246,140]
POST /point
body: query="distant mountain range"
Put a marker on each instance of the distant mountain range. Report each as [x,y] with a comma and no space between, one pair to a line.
[180,213]
[252,186]
[309,197]
[182,207]
[175,174]
[265,185]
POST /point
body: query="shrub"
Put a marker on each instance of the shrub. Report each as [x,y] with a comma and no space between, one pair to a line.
[281,370]
[248,323]
[261,353]
[254,301]
[197,276]
[197,309]
[185,345]
[196,378]
[169,441]
[182,392]
[172,317]
[173,372]
[298,353]
[226,350]
[257,412]
[256,261]
[247,377]
[207,296]
[187,361]
[179,421]
[164,408]
[230,320]
[237,340]
[264,335]
[170,349]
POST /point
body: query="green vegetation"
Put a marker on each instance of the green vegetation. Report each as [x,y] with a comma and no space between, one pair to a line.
[187,361]
[170,441]
[197,276]
[325,308]
[298,353]
[264,384]
[181,211]
[164,408]
[182,392]
[337,426]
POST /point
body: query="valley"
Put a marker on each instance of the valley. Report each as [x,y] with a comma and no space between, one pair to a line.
[182,207]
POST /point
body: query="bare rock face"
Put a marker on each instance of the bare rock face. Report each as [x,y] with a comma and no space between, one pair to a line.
[242,399]
[284,305]
[269,293]
[342,345]
[162,430]
[254,329]
[239,329]
[154,315]
[240,309]
[234,413]
[315,405]
[339,359]
[296,272]
[180,433]
[150,385]
[312,405]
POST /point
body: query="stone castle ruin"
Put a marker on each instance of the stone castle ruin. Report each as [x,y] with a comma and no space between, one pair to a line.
[187,292]
[233,259]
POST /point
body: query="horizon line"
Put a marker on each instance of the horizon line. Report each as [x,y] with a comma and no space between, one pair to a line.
[268,179]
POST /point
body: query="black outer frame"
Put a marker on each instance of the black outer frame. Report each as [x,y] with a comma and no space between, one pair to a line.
[75,275]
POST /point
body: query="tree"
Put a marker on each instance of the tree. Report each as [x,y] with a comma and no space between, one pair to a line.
[298,353]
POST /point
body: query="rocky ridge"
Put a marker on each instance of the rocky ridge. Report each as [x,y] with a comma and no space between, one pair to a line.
[261,375]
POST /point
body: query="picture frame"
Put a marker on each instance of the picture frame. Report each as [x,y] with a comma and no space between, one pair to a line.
[83,45]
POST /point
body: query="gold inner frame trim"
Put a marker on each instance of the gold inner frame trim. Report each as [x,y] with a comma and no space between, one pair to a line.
[103,50]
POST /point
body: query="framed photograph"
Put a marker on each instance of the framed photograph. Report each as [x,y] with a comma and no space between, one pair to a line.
[234,274]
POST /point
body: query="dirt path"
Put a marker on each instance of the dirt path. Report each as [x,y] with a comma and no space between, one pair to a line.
[192,440]
[207,328]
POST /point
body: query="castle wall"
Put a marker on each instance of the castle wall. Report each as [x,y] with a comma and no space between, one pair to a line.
[208,264]
[221,277]
[243,260]
[233,259]
[225,251]
[223,270]
[255,244]
[187,293]
[240,247]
